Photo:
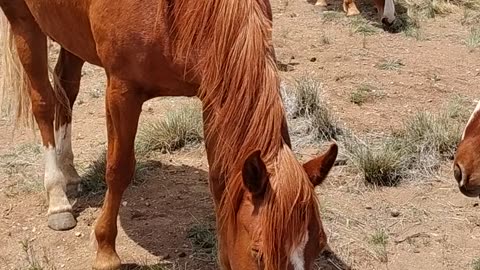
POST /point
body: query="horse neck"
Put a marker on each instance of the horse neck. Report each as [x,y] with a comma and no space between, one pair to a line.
[239,84]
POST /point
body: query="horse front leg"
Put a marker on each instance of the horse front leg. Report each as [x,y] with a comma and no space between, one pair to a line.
[123,111]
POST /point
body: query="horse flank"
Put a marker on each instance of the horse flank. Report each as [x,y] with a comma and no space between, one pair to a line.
[240,84]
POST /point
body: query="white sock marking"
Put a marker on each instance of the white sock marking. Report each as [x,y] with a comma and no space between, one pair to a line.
[475,112]
[297,258]
[389,11]
[55,183]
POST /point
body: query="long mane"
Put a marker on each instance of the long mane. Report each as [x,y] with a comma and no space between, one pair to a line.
[240,87]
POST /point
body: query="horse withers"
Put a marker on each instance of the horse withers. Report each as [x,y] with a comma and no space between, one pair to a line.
[219,50]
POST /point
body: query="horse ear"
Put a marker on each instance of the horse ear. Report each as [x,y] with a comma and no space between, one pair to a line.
[318,168]
[255,175]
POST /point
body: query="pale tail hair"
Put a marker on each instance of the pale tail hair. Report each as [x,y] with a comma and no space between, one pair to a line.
[15,101]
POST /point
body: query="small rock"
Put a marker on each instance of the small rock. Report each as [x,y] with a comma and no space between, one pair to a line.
[475,204]
[395,213]
[147,204]
[124,203]
[182,254]
[313,59]
[62,265]
[368,207]
[78,234]
[24,228]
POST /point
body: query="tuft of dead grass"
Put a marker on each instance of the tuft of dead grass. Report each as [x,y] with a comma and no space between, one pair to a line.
[419,148]
[379,164]
[435,133]
[309,105]
[93,180]
[476,264]
[390,64]
[179,128]
[473,39]
[306,97]
[379,241]
[361,25]
[204,241]
[364,93]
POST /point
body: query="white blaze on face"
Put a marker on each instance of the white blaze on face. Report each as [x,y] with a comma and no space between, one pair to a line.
[475,113]
[389,11]
[297,258]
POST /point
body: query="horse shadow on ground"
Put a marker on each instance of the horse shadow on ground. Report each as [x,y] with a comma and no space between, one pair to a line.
[161,209]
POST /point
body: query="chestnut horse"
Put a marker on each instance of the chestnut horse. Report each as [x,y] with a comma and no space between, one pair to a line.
[466,165]
[385,9]
[218,50]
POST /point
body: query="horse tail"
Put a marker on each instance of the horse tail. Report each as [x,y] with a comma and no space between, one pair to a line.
[15,102]
[14,83]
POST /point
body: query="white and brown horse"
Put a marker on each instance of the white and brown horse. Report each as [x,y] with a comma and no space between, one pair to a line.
[218,50]
[466,165]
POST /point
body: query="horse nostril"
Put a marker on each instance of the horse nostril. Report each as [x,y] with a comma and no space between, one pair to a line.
[457,173]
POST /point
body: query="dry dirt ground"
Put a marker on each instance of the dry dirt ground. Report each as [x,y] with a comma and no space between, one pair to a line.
[421,224]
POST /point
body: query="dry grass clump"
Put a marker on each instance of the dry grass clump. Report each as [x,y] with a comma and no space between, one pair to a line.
[93,180]
[419,148]
[178,129]
[379,164]
[306,102]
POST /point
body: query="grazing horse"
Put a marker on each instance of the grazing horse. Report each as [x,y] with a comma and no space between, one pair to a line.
[385,9]
[219,50]
[466,166]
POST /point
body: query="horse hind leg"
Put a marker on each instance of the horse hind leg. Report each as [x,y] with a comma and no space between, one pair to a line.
[123,112]
[68,75]
[31,47]
[350,7]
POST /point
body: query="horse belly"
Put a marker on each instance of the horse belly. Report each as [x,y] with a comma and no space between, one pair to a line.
[67,23]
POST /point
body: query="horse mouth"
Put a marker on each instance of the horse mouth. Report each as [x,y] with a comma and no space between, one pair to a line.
[470,192]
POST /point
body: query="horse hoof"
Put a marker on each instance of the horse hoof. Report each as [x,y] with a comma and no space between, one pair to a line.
[61,221]
[107,263]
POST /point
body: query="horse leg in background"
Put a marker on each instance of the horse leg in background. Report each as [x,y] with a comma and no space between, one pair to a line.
[321,3]
[69,72]
[123,111]
[31,46]
[350,7]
